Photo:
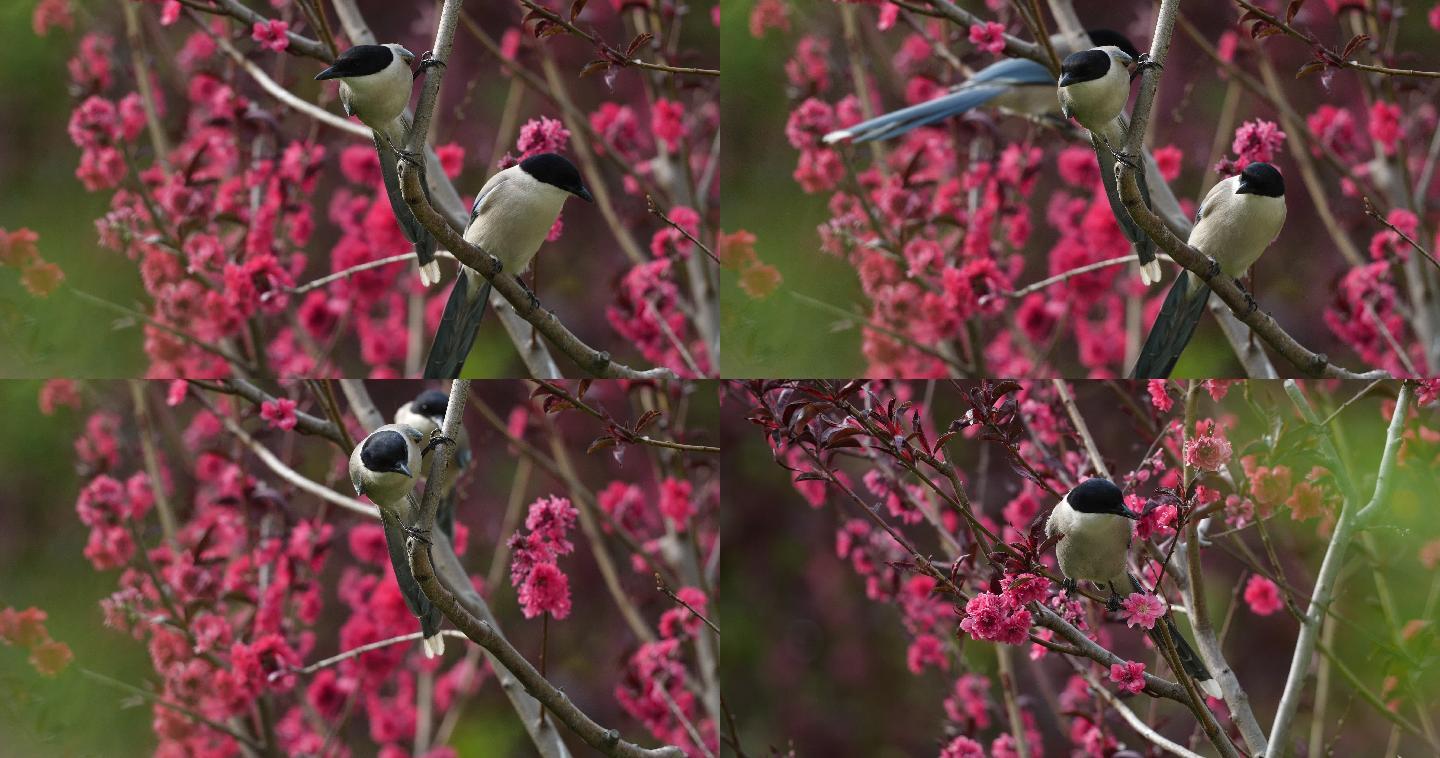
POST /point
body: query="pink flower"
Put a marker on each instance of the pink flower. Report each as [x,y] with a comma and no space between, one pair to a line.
[1130,676]
[280,412]
[50,14]
[23,628]
[676,502]
[1078,167]
[926,649]
[271,35]
[542,135]
[1434,17]
[1168,159]
[1022,588]
[736,249]
[989,37]
[769,14]
[56,393]
[1385,125]
[551,519]
[962,747]
[1142,609]
[1160,395]
[1262,595]
[1208,452]
[667,120]
[1257,140]
[546,590]
[50,657]
[996,618]
[1270,486]
[759,280]
[1306,502]
[452,158]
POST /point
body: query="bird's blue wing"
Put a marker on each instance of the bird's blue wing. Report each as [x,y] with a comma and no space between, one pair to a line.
[1012,71]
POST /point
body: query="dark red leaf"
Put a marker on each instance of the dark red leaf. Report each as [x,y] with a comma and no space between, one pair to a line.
[594,67]
[1293,8]
[1354,43]
[579,5]
[635,44]
[646,420]
[1309,68]
[601,443]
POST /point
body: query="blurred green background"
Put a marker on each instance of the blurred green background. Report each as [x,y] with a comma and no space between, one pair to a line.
[823,668]
[782,336]
[58,335]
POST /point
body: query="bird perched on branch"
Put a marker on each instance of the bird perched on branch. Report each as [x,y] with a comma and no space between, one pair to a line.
[382,468]
[1096,528]
[1014,85]
[510,219]
[1093,88]
[1238,219]
[426,413]
[375,85]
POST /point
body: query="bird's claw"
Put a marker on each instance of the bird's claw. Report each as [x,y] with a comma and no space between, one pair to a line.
[1069,586]
[429,61]
[1112,603]
[1250,305]
[1213,270]
[437,440]
[419,535]
[534,301]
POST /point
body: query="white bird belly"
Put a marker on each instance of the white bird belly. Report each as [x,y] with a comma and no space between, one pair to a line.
[379,99]
[1237,232]
[513,225]
[1094,546]
[1096,103]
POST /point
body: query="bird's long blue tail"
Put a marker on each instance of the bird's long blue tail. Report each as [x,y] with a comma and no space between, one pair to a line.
[896,123]
[458,327]
[1173,328]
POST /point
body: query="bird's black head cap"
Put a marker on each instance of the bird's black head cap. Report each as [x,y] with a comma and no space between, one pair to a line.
[360,60]
[1084,66]
[557,171]
[1261,179]
[386,451]
[1098,496]
[431,403]
[1103,37]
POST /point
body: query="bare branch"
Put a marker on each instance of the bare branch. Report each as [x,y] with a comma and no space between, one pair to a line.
[1346,524]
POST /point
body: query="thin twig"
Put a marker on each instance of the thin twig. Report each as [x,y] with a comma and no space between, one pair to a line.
[655,210]
[665,588]
[608,51]
[1331,57]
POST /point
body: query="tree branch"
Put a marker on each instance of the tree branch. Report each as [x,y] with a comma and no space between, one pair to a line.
[1349,521]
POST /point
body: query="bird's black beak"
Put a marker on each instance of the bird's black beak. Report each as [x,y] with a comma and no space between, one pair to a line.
[584,194]
[328,73]
[1065,79]
[404,468]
